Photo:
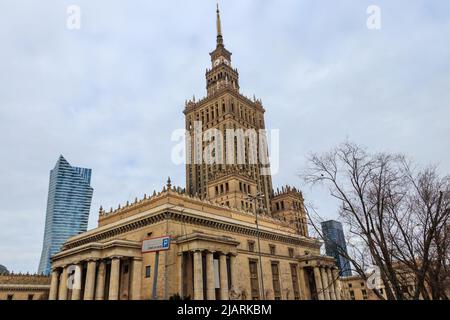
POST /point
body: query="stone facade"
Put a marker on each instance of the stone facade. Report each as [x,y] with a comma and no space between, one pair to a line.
[225,109]
[355,288]
[206,239]
[232,236]
[24,287]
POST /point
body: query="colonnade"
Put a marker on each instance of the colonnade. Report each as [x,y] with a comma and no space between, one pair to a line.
[199,273]
[327,282]
[94,285]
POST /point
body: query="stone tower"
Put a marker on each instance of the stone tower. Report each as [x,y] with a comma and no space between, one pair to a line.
[228,120]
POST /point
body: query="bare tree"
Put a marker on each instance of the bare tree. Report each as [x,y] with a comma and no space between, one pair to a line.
[355,251]
[399,215]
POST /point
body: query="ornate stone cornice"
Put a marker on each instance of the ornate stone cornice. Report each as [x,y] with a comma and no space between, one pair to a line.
[206,237]
[317,261]
[168,195]
[192,105]
[235,171]
[24,287]
[185,217]
[97,246]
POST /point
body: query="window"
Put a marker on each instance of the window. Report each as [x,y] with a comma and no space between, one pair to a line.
[276,281]
[350,285]
[217,190]
[251,246]
[291,252]
[10,297]
[352,294]
[30,297]
[148,271]
[362,285]
[254,280]
[272,249]
[125,269]
[364,294]
[227,187]
[295,285]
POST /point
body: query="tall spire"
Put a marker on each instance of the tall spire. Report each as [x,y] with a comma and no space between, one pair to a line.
[219,28]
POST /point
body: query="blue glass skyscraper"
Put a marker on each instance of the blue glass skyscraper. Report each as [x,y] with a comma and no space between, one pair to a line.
[335,245]
[68,205]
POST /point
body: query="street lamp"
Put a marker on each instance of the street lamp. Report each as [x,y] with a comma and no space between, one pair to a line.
[256,200]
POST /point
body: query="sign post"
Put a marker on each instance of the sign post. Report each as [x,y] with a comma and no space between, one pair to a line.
[155,245]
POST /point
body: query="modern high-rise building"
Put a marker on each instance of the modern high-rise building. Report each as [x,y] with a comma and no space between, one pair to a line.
[68,205]
[335,245]
[3,270]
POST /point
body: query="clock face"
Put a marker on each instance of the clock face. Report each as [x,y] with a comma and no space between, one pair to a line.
[218,61]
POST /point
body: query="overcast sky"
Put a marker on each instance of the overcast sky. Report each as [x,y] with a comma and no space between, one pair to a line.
[109,95]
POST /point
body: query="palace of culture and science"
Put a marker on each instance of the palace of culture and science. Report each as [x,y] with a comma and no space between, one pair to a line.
[225,235]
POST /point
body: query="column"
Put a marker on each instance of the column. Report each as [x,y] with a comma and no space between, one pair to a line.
[53,295]
[331,284]
[76,286]
[326,288]
[318,280]
[301,278]
[63,285]
[100,286]
[210,283]
[114,279]
[337,284]
[180,274]
[233,271]
[90,280]
[136,279]
[198,276]
[223,276]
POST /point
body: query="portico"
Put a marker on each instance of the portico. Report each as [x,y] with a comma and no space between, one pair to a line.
[206,266]
[322,277]
[98,271]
